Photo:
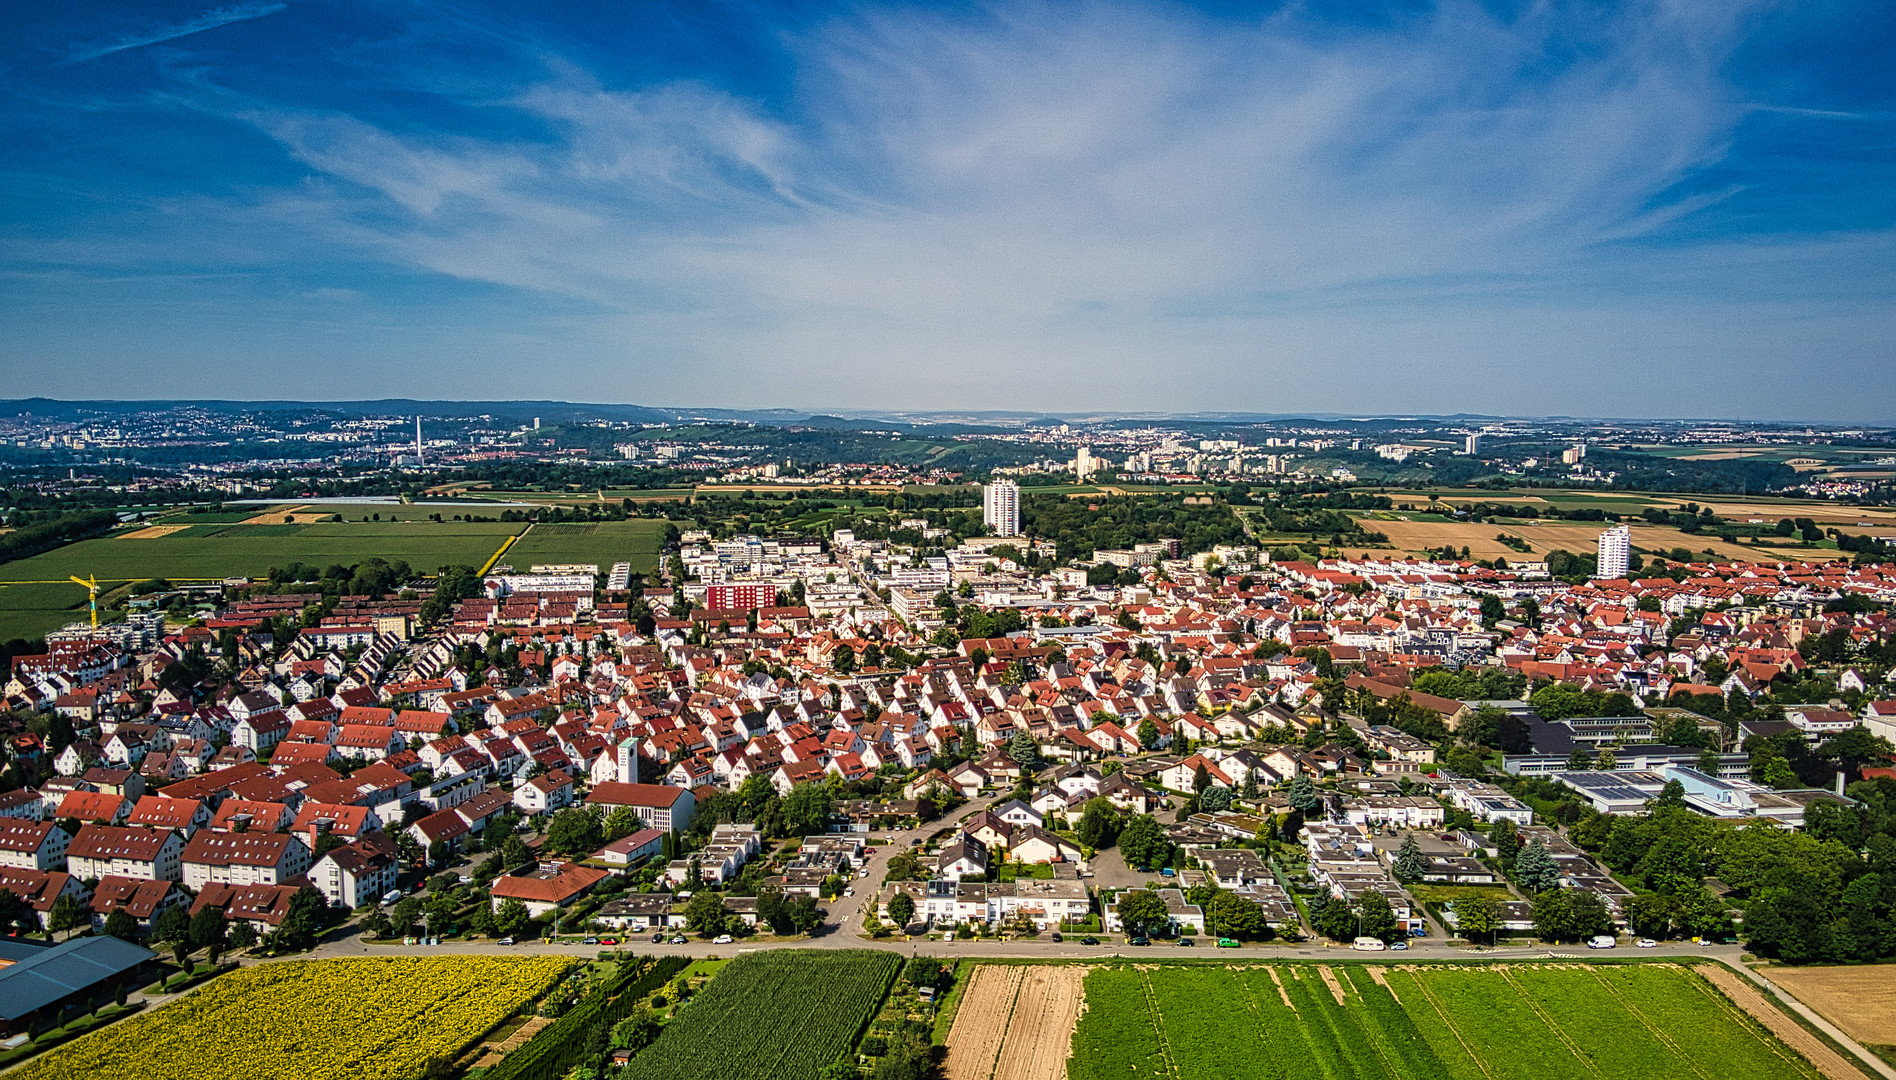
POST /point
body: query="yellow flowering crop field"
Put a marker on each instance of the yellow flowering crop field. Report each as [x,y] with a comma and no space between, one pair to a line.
[372,1018]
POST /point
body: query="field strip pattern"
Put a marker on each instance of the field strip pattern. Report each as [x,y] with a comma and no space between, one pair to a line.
[1742,995]
[980,1027]
[1861,1001]
[1040,1028]
[1417,1022]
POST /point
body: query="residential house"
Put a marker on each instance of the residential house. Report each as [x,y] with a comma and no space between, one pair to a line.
[141,898]
[356,874]
[33,845]
[544,890]
[545,793]
[247,858]
[101,851]
[264,906]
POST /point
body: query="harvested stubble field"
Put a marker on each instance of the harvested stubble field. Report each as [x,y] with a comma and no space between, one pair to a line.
[1015,1023]
[1422,1022]
[1860,1000]
[1579,537]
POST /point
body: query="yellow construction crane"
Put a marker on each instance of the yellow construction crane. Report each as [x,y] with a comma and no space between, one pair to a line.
[92,593]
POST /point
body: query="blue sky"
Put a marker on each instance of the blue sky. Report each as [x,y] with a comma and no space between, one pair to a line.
[1655,209]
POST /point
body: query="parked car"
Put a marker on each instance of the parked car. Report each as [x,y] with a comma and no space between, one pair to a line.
[1187,942]
[678,939]
[949,936]
[657,938]
[1057,939]
[1089,941]
[466,879]
[1646,943]
[1400,946]
[609,941]
[721,939]
[391,896]
[1168,872]
[849,891]
[1137,941]
[1228,943]
[1602,941]
[591,941]
[506,941]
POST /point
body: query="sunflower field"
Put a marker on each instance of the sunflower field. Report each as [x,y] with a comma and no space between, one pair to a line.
[380,1018]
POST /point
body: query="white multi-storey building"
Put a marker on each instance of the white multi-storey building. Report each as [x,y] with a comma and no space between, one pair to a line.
[1000,507]
[1616,552]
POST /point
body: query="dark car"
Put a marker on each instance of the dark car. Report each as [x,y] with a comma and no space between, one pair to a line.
[1057,938]
[1137,941]
[1187,941]
[1089,941]
[656,938]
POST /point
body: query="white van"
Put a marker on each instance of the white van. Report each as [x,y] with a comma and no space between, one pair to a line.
[1602,941]
[1368,944]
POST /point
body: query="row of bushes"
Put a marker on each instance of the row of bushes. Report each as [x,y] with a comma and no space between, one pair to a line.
[560,1045]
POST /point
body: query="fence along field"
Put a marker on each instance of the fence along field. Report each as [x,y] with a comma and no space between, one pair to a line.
[1495,1022]
[777,1015]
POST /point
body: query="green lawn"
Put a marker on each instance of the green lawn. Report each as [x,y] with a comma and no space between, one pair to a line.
[1443,894]
[634,540]
[1436,1022]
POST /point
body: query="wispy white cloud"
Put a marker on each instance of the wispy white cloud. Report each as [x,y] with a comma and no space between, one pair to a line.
[155,35]
[1156,207]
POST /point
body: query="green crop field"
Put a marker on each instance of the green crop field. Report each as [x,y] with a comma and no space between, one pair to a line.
[1514,1022]
[220,551]
[28,611]
[634,540]
[778,1015]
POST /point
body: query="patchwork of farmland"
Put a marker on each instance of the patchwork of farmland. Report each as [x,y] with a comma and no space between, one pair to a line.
[1499,1022]
[777,1015]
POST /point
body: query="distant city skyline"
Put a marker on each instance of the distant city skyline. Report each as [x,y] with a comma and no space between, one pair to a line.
[1630,211]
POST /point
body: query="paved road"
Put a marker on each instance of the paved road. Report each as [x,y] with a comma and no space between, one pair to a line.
[835,938]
